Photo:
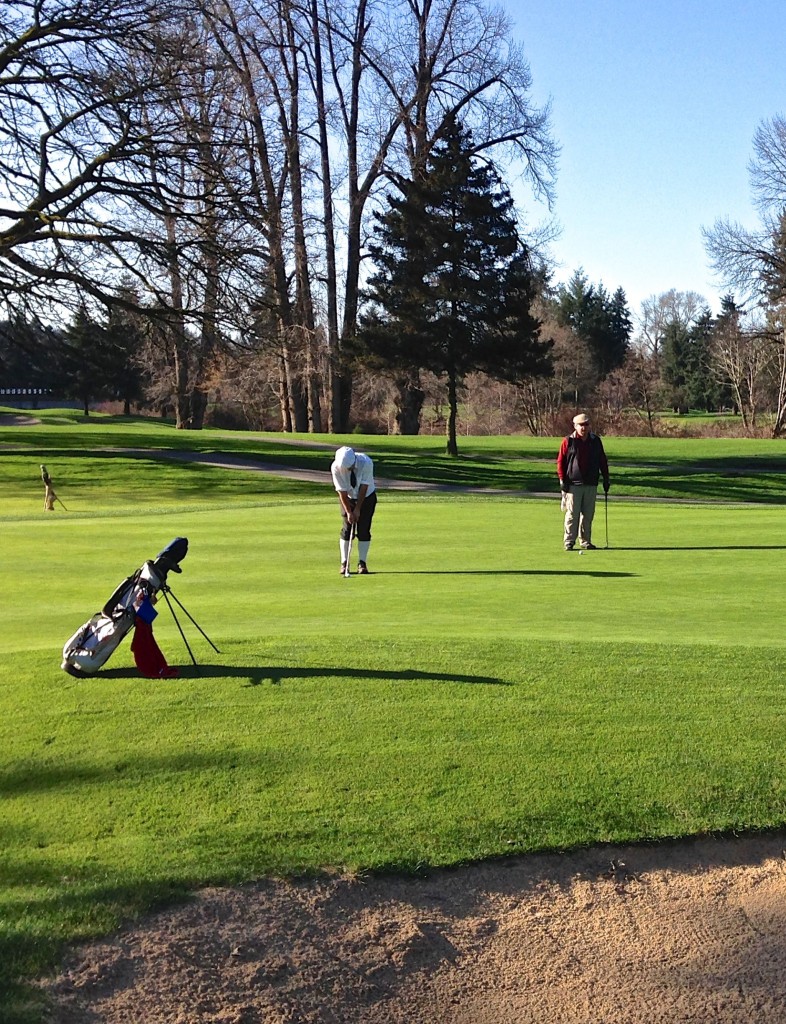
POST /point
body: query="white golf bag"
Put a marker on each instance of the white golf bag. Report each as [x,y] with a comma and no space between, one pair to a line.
[93,643]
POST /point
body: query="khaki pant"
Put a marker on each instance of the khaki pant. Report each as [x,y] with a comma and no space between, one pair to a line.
[579,513]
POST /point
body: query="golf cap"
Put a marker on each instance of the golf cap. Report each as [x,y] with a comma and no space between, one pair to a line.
[345,458]
[581,418]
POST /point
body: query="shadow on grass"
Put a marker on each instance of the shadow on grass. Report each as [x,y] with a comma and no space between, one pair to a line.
[28,952]
[699,547]
[511,572]
[258,674]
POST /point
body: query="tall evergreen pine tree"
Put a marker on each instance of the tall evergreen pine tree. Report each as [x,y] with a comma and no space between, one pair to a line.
[453,283]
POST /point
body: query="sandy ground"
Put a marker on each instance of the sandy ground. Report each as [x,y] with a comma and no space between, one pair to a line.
[11,419]
[675,932]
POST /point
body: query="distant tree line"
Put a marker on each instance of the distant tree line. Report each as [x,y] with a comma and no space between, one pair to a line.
[293,214]
[84,361]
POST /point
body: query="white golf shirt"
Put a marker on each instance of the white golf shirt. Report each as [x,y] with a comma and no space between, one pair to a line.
[364,474]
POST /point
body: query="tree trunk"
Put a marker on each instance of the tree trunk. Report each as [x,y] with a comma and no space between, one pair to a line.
[409,404]
[283,397]
[177,328]
[741,406]
[351,291]
[333,382]
[297,404]
[452,444]
[182,400]
[780,412]
[198,409]
[314,398]
[304,304]
[208,338]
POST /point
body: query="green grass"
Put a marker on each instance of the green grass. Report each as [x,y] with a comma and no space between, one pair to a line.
[91,485]
[82,454]
[482,693]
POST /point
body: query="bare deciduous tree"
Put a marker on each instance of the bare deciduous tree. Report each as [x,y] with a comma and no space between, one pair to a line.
[635,385]
[75,76]
[658,312]
[208,258]
[740,357]
[228,154]
[753,262]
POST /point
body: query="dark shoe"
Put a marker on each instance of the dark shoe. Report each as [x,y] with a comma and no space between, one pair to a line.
[568,547]
[362,569]
[589,547]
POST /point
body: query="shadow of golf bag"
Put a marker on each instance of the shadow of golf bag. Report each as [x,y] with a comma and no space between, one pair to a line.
[93,644]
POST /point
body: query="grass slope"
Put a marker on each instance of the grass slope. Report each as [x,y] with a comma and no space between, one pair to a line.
[483,692]
[717,469]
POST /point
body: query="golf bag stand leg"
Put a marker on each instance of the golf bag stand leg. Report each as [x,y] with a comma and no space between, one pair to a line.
[168,592]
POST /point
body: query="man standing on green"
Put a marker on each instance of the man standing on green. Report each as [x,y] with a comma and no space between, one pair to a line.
[580,464]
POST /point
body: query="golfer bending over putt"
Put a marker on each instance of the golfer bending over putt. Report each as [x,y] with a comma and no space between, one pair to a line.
[353,478]
[580,463]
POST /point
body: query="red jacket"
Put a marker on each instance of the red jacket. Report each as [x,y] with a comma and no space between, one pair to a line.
[582,460]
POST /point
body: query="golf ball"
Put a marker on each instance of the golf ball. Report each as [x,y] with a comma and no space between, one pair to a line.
[581,552]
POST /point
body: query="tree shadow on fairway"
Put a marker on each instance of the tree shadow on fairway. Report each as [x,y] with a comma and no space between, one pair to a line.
[258,674]
[509,572]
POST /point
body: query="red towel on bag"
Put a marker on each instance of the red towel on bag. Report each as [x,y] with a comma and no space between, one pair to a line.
[147,654]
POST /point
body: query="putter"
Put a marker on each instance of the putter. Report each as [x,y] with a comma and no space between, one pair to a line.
[606,496]
[347,573]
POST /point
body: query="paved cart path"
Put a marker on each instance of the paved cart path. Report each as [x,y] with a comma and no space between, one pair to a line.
[230,460]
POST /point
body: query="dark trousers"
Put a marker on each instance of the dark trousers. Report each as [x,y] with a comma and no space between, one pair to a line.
[364,523]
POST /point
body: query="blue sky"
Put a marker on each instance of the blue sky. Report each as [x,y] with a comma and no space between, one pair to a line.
[654,105]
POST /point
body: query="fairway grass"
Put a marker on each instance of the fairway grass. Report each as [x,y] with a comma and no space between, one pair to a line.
[106,463]
[444,567]
[482,693]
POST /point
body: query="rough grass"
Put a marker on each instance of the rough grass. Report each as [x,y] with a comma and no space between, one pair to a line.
[81,455]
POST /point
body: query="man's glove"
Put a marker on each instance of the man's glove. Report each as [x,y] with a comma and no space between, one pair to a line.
[564,485]
[606,485]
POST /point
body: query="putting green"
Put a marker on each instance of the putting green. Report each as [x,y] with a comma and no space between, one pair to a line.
[441,568]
